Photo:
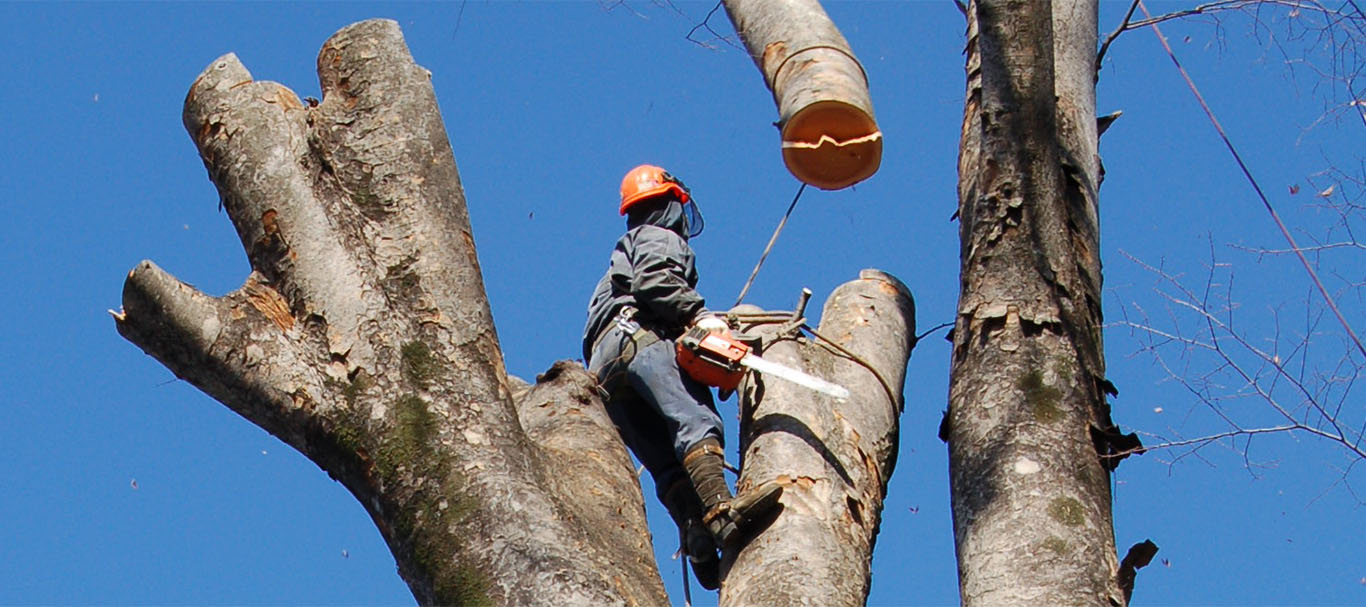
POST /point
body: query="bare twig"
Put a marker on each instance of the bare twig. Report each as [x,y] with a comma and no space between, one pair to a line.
[1221,5]
[1222,369]
[931,330]
[706,24]
[1308,249]
[1328,299]
[610,5]
[1334,31]
[1123,26]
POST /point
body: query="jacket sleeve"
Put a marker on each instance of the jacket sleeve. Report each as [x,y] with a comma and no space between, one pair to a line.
[663,275]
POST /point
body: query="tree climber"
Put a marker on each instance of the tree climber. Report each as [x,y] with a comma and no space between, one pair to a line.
[645,301]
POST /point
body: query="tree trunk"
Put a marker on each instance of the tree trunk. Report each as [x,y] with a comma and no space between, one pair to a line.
[829,136]
[1031,496]
[834,459]
[363,338]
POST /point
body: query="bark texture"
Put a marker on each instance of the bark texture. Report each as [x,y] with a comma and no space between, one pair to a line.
[1030,492]
[833,458]
[363,339]
[830,138]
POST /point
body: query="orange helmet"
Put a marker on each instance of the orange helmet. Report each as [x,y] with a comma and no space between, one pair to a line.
[646,181]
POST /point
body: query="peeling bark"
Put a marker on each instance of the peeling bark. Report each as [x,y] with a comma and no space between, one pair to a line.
[1031,497]
[830,138]
[834,459]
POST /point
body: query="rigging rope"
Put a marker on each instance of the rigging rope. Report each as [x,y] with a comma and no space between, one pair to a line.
[768,248]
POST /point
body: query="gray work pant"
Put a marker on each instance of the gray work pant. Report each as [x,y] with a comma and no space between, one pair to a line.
[660,411]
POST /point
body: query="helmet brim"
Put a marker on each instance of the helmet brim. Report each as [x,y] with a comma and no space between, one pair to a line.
[659,190]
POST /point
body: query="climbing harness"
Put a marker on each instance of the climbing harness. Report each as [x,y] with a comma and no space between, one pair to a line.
[641,338]
[626,322]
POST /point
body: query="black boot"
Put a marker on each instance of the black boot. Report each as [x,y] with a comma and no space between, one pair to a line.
[696,543]
[725,515]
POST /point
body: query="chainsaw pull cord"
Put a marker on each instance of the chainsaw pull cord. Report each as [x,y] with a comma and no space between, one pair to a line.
[768,248]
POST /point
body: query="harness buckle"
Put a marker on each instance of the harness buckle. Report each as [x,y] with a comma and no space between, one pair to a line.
[626,320]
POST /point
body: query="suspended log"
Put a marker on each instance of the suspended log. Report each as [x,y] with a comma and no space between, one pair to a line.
[829,136]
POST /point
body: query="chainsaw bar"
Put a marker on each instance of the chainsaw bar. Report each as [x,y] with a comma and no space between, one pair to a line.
[773,369]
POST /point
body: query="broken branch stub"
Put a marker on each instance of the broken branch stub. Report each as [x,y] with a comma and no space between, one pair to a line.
[830,138]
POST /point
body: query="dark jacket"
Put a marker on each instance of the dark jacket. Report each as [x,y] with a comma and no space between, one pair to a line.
[653,269]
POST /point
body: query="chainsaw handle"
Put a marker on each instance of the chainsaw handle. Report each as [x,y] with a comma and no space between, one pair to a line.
[693,337]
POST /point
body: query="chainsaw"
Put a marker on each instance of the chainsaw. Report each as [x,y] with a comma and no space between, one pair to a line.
[720,359]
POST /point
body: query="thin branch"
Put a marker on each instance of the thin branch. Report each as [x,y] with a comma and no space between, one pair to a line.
[1123,26]
[706,24]
[1216,326]
[1358,101]
[1353,4]
[1321,396]
[1221,5]
[942,325]
[1310,249]
[610,5]
[1241,432]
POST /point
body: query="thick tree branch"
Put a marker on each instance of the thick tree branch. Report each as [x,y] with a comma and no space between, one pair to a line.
[240,348]
[585,460]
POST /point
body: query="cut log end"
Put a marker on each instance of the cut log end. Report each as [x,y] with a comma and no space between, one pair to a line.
[831,145]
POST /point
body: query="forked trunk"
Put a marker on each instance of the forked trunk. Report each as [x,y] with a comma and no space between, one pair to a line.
[834,458]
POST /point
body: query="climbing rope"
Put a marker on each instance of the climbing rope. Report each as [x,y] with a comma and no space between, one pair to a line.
[768,248]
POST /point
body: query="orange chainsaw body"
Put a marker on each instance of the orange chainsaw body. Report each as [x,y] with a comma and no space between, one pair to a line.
[712,358]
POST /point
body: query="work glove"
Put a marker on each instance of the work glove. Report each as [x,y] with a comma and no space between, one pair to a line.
[711,324]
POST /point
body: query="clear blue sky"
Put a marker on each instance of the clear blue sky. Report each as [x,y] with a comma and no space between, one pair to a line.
[121,485]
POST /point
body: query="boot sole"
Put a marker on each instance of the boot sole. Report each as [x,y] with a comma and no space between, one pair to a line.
[753,505]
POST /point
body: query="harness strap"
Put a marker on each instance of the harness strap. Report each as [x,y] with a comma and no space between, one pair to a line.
[625,321]
[641,338]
